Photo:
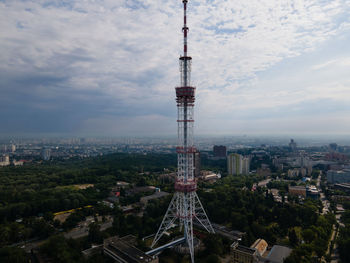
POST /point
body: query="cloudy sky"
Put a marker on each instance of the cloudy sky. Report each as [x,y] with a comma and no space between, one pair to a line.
[109,67]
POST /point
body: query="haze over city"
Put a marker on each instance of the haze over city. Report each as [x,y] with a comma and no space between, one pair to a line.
[110,67]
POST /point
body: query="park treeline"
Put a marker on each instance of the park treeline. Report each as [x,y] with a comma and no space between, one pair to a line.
[30,194]
[38,188]
[297,225]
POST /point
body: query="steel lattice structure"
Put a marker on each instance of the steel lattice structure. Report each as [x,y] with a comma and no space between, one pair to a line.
[185,204]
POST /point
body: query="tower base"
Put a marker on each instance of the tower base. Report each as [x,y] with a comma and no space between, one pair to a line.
[186,207]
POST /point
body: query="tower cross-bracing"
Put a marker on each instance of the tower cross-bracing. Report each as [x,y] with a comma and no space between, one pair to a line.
[185,205]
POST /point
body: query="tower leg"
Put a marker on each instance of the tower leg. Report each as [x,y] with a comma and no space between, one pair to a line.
[189,222]
[200,214]
[168,219]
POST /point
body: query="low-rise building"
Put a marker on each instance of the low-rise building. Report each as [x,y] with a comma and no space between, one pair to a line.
[312,192]
[342,176]
[157,195]
[258,253]
[17,163]
[141,189]
[297,190]
[4,160]
[242,254]
[209,176]
[260,245]
[123,251]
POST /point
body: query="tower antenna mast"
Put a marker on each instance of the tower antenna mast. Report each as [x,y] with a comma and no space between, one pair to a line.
[185,204]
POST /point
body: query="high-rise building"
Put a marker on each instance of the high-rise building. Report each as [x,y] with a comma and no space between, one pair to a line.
[234,164]
[333,147]
[245,165]
[238,164]
[220,151]
[4,148]
[46,154]
[197,163]
[292,145]
[13,148]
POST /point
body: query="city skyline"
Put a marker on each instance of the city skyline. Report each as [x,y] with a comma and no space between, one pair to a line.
[77,67]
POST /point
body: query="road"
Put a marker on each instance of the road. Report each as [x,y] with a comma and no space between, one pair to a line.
[332,238]
[323,199]
[325,210]
[84,231]
[335,253]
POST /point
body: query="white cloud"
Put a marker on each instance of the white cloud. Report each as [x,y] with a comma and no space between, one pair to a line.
[339,62]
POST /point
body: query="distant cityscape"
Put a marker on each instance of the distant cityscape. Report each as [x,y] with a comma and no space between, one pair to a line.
[29,149]
[291,160]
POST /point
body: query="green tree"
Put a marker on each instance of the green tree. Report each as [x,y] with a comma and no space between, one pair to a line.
[94,235]
[212,259]
[62,250]
[214,244]
[48,216]
[13,255]
[308,235]
[344,243]
[293,238]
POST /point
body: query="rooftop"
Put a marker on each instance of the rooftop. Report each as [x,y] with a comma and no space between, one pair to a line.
[297,187]
[121,248]
[247,250]
[156,195]
[278,254]
[260,245]
[236,247]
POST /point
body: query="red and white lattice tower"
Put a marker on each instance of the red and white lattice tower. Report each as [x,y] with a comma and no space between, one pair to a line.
[185,204]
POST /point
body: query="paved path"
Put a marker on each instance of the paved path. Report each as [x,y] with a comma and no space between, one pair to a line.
[84,231]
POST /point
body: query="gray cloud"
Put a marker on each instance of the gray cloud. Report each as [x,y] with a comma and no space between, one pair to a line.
[76,65]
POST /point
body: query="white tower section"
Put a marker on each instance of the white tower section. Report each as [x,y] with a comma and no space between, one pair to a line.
[185,204]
